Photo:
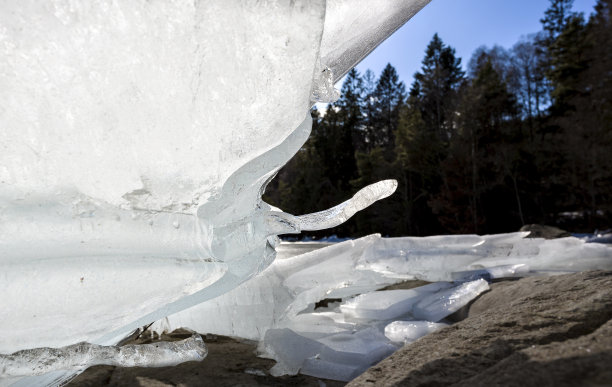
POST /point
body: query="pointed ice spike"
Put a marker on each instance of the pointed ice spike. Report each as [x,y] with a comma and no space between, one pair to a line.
[342,212]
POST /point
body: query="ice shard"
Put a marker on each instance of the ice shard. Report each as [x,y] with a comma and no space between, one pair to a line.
[137,139]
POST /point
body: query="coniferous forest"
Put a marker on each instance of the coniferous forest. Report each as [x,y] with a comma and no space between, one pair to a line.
[524,135]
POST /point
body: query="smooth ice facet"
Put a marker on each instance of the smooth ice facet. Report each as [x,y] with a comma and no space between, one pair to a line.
[389,304]
[138,138]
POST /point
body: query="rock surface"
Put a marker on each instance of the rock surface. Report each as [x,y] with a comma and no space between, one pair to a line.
[537,331]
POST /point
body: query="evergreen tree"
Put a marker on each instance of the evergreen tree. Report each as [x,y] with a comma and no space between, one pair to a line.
[475,170]
[434,88]
[525,137]
[337,134]
[353,135]
[368,111]
[567,62]
[556,18]
[387,99]
[381,217]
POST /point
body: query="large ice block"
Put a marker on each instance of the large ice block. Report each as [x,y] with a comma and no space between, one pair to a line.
[339,356]
[137,139]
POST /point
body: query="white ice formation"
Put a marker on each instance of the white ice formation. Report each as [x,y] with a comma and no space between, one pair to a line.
[361,324]
[136,140]
[79,356]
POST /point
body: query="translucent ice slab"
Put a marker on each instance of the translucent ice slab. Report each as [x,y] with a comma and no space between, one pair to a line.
[389,304]
[436,306]
[137,139]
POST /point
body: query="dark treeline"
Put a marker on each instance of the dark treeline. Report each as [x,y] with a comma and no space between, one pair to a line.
[523,136]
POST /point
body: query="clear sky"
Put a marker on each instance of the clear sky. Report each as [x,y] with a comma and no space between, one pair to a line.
[464,25]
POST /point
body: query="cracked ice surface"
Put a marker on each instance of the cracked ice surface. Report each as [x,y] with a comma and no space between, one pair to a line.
[137,139]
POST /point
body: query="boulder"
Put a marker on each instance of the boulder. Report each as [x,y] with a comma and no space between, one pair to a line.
[537,331]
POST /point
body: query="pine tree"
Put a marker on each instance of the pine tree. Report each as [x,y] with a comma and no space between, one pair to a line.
[478,162]
[556,19]
[368,111]
[435,87]
[417,164]
[583,96]
[387,99]
[353,135]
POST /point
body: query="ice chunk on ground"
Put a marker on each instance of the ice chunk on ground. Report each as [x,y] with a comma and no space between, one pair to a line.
[339,356]
[443,303]
[409,331]
[389,304]
[317,367]
[82,355]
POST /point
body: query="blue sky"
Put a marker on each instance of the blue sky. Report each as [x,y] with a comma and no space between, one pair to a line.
[464,25]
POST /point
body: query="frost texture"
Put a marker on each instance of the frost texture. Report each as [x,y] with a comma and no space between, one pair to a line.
[137,139]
